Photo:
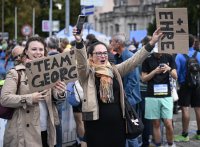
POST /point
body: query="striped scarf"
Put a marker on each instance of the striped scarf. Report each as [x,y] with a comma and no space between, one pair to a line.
[106,81]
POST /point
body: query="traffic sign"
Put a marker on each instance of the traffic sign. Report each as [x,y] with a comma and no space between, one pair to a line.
[87,10]
[46,25]
[92,2]
[4,35]
[26,30]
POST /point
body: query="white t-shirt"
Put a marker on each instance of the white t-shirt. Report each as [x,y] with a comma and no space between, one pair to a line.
[43,115]
[78,90]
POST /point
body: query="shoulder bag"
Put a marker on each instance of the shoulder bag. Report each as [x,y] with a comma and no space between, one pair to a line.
[7,112]
[134,125]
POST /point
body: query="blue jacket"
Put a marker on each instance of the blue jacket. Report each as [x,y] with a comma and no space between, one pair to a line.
[131,81]
[181,64]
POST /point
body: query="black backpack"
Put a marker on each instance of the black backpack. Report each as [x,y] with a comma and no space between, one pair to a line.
[192,79]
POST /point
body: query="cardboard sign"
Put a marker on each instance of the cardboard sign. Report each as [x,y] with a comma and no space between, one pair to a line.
[174,25]
[44,73]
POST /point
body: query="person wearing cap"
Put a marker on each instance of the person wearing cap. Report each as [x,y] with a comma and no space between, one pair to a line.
[156,70]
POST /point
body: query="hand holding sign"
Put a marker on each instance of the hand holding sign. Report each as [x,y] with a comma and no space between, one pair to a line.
[44,73]
[60,87]
[156,36]
[37,96]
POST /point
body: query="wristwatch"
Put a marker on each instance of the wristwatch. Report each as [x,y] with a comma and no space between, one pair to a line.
[61,95]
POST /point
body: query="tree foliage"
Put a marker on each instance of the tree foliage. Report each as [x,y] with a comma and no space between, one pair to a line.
[25,11]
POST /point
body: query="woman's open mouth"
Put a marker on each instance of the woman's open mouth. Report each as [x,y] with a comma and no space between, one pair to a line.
[103,61]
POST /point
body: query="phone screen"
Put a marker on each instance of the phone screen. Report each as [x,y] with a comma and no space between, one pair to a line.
[80,22]
[161,65]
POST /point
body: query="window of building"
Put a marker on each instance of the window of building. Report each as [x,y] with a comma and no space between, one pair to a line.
[106,30]
[111,30]
[101,27]
[132,26]
[116,28]
[120,2]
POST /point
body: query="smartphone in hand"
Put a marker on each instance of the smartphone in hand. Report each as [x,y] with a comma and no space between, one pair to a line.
[80,22]
[162,65]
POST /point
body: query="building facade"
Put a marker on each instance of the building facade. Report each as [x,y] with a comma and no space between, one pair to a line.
[123,16]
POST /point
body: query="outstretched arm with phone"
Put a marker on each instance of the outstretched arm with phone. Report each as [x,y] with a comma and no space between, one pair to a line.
[80,52]
[80,22]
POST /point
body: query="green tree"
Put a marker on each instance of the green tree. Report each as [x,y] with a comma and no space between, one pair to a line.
[24,14]
[151,27]
[58,14]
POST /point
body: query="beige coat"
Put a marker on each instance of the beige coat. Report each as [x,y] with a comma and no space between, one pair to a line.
[23,130]
[86,75]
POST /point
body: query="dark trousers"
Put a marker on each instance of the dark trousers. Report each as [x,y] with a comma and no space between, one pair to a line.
[44,139]
[147,123]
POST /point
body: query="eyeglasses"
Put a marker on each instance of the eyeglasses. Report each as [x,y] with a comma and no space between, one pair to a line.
[100,54]
[16,57]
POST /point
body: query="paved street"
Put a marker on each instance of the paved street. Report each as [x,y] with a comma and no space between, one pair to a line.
[192,130]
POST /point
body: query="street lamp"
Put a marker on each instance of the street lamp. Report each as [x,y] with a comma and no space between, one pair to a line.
[33,22]
[15,23]
[67,16]
[59,6]
[50,19]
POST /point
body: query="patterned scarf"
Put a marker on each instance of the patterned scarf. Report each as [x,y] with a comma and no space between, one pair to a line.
[106,81]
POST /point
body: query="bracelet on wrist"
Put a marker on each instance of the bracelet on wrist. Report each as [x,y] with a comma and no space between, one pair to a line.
[61,94]
[149,47]
[79,45]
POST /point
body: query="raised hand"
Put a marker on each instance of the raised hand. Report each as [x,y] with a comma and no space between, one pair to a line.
[78,37]
[38,96]
[60,87]
[156,36]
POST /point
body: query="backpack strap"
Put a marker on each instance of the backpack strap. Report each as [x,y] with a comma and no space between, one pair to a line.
[186,56]
[195,54]
[70,87]
[18,81]
[77,92]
